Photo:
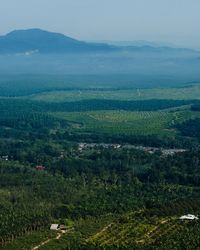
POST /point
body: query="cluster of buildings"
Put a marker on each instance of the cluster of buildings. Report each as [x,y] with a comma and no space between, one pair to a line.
[4,157]
[83,146]
[150,150]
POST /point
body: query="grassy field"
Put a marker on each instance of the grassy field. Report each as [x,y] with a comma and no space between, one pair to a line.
[184,93]
[131,123]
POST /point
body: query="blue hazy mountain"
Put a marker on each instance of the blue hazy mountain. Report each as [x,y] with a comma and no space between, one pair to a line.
[33,41]
[35,51]
[37,40]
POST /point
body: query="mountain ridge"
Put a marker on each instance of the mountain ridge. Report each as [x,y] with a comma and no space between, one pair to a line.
[40,41]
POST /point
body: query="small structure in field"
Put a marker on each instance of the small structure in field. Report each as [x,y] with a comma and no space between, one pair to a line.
[57,227]
[54,227]
[40,168]
[189,217]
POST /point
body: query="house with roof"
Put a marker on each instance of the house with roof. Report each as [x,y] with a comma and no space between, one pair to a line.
[54,227]
[57,227]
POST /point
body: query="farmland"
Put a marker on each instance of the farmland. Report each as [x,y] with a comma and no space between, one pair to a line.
[179,93]
[30,241]
[108,197]
[100,138]
[131,231]
[123,122]
[134,231]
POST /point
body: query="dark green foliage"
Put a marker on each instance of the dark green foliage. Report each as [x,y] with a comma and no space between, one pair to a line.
[90,105]
[12,85]
[190,128]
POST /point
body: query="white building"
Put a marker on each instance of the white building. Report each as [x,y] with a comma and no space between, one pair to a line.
[57,227]
[189,217]
[54,227]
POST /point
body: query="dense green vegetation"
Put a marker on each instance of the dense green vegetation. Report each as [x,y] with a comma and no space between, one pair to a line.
[109,196]
[28,84]
[7,104]
[93,184]
[190,128]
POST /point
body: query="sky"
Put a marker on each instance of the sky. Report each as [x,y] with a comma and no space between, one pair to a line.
[174,21]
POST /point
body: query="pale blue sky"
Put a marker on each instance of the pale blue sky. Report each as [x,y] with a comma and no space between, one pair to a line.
[175,21]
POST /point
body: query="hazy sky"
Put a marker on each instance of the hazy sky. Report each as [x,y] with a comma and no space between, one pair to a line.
[175,21]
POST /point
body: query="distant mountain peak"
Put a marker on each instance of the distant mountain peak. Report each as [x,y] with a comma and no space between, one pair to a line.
[36,33]
[27,31]
[20,41]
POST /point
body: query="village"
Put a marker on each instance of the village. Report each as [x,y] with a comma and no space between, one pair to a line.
[150,150]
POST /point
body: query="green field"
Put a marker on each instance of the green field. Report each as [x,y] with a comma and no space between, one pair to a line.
[123,122]
[184,93]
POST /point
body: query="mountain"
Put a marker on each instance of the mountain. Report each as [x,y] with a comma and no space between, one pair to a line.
[34,41]
[36,51]
[39,41]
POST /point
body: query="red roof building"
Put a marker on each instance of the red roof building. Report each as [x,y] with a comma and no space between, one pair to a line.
[40,168]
